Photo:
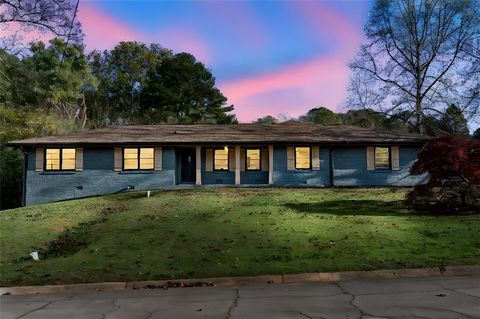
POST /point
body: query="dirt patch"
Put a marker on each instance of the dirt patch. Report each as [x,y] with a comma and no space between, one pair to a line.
[73,239]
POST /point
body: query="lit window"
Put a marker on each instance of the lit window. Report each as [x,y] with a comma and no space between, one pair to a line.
[59,159]
[382,158]
[68,158]
[138,158]
[146,158]
[302,157]
[220,159]
[130,158]
[253,160]
[52,156]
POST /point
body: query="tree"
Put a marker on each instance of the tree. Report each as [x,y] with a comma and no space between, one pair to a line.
[62,77]
[368,118]
[453,178]
[266,120]
[122,74]
[476,134]
[415,58]
[321,115]
[53,17]
[182,90]
[454,122]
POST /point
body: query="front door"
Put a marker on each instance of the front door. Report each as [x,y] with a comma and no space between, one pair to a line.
[187,166]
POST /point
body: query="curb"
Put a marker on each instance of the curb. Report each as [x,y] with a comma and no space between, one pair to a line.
[473,270]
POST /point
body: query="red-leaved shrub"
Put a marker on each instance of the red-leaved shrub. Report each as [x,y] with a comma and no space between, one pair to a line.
[453,167]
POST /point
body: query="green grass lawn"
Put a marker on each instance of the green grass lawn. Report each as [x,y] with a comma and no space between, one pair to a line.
[227,232]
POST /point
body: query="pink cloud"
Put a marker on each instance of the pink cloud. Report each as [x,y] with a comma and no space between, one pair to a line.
[103,31]
[293,89]
[12,28]
[184,40]
[320,18]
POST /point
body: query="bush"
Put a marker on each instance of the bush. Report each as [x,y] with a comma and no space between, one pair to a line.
[453,167]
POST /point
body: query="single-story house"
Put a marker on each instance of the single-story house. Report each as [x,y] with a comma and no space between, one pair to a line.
[143,157]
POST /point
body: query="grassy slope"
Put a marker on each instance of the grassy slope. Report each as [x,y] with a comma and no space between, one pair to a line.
[223,232]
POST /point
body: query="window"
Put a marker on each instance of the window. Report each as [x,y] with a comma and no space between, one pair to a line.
[220,159]
[57,159]
[138,158]
[382,158]
[302,158]
[253,160]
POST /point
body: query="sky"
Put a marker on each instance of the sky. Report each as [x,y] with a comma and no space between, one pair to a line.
[268,57]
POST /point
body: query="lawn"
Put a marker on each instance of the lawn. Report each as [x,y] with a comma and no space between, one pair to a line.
[227,232]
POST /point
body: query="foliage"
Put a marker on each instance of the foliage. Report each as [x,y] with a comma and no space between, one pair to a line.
[453,121]
[368,118]
[122,74]
[182,90]
[453,175]
[63,74]
[227,232]
[320,115]
[419,55]
[268,120]
[476,134]
[17,123]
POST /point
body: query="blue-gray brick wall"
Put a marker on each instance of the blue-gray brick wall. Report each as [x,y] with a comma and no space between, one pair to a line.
[284,177]
[228,177]
[98,176]
[350,168]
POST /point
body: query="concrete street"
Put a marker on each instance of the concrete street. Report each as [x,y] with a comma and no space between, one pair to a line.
[434,297]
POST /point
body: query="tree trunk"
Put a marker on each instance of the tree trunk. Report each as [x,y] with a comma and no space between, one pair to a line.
[419,116]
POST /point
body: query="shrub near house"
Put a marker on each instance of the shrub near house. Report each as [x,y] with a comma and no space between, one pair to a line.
[453,165]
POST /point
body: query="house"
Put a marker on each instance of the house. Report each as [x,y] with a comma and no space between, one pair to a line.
[141,157]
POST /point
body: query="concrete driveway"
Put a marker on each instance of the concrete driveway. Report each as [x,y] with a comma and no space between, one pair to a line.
[435,297]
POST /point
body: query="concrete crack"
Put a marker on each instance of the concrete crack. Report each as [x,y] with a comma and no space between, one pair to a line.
[115,308]
[234,304]
[461,292]
[352,301]
[310,317]
[36,309]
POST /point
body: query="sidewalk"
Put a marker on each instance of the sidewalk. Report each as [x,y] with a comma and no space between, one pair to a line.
[428,297]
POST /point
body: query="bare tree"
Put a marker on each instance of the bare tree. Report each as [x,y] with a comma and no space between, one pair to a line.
[419,57]
[20,18]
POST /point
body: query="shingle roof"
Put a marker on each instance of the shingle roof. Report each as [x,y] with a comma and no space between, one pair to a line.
[239,133]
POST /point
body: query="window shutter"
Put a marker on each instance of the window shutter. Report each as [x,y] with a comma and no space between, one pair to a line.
[208,160]
[315,158]
[264,154]
[79,159]
[290,158]
[370,158]
[117,166]
[242,160]
[39,158]
[231,159]
[158,158]
[395,150]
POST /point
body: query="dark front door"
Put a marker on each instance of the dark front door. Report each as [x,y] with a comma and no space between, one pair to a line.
[187,166]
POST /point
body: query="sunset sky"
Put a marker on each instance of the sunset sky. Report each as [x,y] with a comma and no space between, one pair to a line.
[269,57]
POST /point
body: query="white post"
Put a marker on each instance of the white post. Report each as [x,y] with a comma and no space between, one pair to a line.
[237,164]
[198,164]
[270,164]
